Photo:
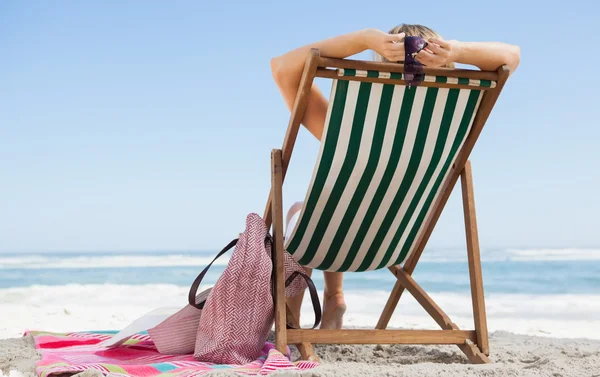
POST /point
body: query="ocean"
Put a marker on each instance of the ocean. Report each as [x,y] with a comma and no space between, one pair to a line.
[554,292]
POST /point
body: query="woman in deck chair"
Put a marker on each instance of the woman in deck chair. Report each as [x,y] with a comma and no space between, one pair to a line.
[287,71]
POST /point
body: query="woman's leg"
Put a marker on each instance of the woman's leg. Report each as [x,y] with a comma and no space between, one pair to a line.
[334,306]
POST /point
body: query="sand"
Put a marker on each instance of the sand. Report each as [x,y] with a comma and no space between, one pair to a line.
[512,355]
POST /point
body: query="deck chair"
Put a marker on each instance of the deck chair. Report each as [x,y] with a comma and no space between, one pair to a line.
[390,156]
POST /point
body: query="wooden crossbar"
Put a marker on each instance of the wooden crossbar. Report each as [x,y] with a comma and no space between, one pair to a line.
[381,336]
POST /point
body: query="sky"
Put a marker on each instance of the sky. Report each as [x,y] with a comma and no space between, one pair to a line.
[148,125]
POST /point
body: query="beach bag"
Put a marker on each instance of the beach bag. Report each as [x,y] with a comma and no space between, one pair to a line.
[238,313]
[176,335]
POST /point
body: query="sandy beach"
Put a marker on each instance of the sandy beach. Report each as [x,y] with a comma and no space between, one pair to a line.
[512,355]
[557,335]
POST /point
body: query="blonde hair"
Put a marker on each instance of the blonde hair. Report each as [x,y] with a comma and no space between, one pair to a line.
[414,30]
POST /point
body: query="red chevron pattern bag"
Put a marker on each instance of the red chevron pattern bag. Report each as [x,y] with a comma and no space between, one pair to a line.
[176,335]
[239,313]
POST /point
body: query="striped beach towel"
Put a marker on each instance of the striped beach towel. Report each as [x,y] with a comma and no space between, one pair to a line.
[69,353]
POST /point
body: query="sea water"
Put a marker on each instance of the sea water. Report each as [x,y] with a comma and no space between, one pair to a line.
[553,292]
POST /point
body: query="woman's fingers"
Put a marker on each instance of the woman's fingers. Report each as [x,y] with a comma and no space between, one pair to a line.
[435,54]
[395,38]
[393,51]
[395,57]
[424,54]
[438,50]
[440,42]
[428,58]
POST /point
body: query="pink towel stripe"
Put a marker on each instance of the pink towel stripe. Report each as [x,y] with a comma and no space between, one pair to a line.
[140,359]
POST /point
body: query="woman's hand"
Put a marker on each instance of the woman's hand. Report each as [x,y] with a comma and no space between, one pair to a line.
[390,46]
[438,53]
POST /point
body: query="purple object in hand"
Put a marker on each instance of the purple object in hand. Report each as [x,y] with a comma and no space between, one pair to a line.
[413,69]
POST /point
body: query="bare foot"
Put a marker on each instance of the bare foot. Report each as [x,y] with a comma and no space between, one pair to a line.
[334,308]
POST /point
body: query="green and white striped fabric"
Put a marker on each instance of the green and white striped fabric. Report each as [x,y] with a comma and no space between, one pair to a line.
[385,151]
[426,78]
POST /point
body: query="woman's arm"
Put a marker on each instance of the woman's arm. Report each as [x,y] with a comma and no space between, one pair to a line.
[287,68]
[487,56]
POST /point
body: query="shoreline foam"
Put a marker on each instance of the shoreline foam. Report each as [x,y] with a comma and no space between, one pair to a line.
[77,307]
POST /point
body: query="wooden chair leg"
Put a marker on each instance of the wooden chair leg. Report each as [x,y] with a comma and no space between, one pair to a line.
[277,217]
[390,306]
[476,353]
[307,352]
[473,353]
[474,259]
[281,309]
[424,299]
[293,317]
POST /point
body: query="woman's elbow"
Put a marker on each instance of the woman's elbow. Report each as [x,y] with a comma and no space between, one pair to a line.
[513,58]
[283,73]
[278,70]
[275,67]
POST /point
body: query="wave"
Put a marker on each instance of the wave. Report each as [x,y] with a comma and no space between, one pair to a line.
[78,307]
[514,255]
[554,254]
[83,261]
[106,261]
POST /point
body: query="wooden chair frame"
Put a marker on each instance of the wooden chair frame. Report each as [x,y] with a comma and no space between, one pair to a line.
[474,343]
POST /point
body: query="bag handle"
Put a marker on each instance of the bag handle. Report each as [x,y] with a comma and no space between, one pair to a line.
[311,286]
[198,280]
[314,297]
